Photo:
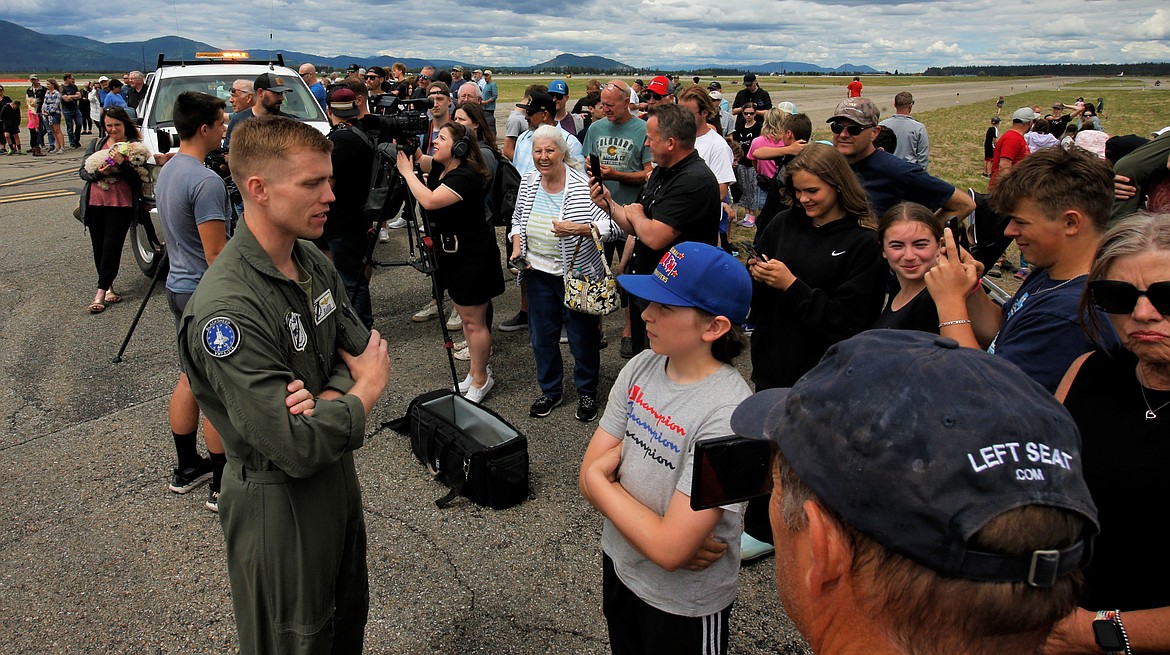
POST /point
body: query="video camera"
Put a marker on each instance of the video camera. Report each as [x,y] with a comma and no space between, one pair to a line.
[401,121]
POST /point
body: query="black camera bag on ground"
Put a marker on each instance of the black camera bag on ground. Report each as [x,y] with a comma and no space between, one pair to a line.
[467,447]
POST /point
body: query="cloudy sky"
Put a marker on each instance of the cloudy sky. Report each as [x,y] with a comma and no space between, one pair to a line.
[908,35]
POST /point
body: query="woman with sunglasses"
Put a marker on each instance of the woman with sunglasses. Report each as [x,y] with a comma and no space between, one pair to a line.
[748,126]
[819,279]
[1120,400]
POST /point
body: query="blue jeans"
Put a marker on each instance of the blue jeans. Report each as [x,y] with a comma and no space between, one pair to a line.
[73,126]
[546,314]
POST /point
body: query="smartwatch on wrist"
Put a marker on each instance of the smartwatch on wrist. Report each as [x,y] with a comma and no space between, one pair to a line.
[1110,634]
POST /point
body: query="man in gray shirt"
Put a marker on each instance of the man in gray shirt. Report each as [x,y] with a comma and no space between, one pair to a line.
[194,208]
[913,145]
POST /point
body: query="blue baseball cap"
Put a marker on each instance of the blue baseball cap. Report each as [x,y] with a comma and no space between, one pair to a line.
[919,443]
[558,86]
[697,275]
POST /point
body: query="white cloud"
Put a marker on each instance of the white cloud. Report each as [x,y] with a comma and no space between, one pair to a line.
[904,34]
[1156,27]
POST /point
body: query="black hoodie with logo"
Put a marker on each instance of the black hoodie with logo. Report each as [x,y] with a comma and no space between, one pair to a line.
[840,284]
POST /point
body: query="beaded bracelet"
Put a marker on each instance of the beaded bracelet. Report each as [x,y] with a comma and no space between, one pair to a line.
[946,323]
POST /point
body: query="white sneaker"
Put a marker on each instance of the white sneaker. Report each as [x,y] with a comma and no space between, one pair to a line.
[477,394]
[454,322]
[750,548]
[397,224]
[383,236]
[466,383]
[462,352]
[426,313]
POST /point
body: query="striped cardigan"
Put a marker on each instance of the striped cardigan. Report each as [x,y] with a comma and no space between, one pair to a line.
[576,206]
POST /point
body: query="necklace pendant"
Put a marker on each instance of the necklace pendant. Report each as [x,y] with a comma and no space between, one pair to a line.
[1150,415]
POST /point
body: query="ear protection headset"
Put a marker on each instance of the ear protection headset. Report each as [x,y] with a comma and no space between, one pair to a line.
[463,145]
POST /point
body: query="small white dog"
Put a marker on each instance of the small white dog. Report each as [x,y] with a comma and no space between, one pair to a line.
[132,151]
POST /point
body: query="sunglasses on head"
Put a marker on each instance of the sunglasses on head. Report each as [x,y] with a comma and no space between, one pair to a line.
[852,128]
[1117,297]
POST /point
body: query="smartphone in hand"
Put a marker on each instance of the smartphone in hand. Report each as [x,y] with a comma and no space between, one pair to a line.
[729,470]
[960,234]
[595,168]
[749,248]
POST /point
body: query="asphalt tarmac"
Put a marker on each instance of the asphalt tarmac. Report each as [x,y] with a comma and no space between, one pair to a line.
[99,557]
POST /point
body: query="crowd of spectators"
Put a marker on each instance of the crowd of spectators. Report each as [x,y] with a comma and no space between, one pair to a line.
[869,323]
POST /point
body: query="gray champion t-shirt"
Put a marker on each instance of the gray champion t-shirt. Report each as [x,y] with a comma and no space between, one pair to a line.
[188,194]
[659,421]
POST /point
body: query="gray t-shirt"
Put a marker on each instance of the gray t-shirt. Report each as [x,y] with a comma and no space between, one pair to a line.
[188,194]
[659,421]
[622,147]
[516,124]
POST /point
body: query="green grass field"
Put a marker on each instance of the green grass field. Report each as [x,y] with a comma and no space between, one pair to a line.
[956,133]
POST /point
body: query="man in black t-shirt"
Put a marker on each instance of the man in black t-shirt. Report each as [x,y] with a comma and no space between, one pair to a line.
[70,96]
[752,94]
[347,230]
[680,201]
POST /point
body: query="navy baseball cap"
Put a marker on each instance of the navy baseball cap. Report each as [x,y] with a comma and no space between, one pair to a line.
[919,443]
[695,274]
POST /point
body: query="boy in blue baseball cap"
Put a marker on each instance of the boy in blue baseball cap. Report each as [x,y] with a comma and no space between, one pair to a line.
[670,572]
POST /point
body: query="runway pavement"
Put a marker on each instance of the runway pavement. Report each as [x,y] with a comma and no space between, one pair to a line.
[99,557]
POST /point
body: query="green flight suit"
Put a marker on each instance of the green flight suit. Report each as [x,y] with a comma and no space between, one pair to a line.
[290,504]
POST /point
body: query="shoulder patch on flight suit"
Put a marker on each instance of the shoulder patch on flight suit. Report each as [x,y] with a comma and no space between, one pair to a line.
[323,306]
[296,330]
[221,336]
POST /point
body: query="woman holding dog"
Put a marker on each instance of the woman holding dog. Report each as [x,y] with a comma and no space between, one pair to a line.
[109,212]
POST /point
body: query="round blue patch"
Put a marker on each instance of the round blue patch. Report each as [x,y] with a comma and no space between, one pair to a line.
[221,337]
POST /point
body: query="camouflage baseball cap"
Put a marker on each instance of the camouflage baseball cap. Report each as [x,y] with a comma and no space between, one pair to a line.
[859,110]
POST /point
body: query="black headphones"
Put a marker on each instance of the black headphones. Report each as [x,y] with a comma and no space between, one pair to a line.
[463,145]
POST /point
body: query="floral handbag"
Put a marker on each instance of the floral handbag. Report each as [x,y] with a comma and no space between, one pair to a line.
[591,295]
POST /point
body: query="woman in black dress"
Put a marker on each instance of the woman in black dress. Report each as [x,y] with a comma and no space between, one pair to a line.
[465,245]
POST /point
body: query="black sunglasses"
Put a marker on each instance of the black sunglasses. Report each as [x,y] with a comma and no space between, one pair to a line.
[532,112]
[656,96]
[1117,297]
[852,128]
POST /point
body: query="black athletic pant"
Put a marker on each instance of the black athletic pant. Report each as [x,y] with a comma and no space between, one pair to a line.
[107,232]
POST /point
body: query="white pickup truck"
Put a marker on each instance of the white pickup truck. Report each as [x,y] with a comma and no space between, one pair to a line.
[211,73]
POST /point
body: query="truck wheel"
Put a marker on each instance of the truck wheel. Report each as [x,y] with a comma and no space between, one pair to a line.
[147,254]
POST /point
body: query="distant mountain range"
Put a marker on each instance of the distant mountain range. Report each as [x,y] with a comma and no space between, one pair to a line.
[25,50]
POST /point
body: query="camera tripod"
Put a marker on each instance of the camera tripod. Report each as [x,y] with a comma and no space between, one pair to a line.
[420,256]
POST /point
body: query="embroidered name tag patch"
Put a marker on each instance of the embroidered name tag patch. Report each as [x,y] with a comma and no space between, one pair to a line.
[323,306]
[221,336]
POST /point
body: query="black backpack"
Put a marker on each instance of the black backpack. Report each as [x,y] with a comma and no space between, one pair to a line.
[502,198]
[384,199]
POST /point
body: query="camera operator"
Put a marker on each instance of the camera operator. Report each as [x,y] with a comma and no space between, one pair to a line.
[193,206]
[376,87]
[347,229]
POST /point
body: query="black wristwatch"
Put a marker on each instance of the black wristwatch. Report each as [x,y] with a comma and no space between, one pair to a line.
[1110,634]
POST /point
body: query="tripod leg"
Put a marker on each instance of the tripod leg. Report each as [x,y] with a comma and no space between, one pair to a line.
[158,274]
